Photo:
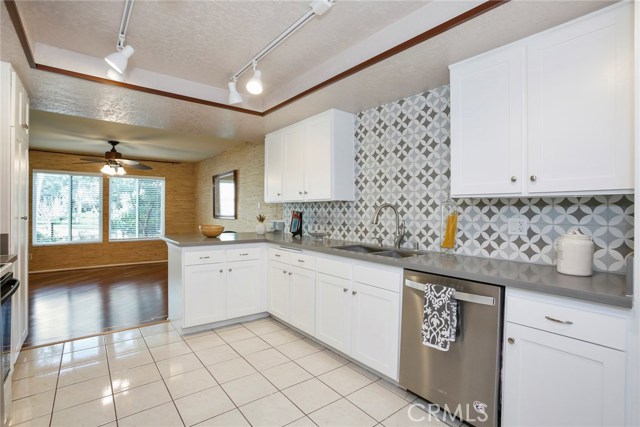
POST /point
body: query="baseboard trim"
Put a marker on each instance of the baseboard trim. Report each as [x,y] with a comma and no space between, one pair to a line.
[98,266]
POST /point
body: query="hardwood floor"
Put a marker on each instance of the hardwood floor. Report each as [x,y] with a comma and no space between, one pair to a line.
[73,304]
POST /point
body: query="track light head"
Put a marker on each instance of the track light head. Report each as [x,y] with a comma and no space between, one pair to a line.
[254,85]
[114,75]
[118,60]
[234,95]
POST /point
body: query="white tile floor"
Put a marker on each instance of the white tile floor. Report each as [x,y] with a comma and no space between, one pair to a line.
[259,373]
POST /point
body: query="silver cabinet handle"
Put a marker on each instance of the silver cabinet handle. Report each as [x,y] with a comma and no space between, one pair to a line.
[204,257]
[290,273]
[301,260]
[277,194]
[305,192]
[230,270]
[300,193]
[284,271]
[277,255]
[25,126]
[344,289]
[221,270]
[354,292]
[564,322]
[511,340]
[514,178]
[533,178]
[24,217]
[243,254]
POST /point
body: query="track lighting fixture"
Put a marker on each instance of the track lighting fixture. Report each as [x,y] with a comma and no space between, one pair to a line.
[254,85]
[118,60]
[234,95]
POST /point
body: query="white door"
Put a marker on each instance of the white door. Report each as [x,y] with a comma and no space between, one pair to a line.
[279,298]
[375,336]
[273,167]
[22,151]
[303,299]
[293,177]
[551,380]
[244,295]
[205,294]
[333,321]
[486,124]
[318,171]
[580,103]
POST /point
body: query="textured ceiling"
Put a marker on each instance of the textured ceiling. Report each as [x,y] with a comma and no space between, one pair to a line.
[415,70]
[208,41]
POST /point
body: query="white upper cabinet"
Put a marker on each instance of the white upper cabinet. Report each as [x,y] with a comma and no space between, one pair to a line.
[311,160]
[486,125]
[551,114]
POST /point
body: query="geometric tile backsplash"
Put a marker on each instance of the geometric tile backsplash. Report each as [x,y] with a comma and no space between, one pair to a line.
[402,157]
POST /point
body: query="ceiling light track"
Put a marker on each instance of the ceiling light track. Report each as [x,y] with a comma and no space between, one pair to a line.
[254,86]
[119,59]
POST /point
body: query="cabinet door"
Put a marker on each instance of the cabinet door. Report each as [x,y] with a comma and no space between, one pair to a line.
[293,177]
[580,103]
[244,292]
[375,336]
[551,380]
[318,167]
[303,299]
[279,299]
[205,294]
[273,167]
[20,107]
[333,322]
[486,124]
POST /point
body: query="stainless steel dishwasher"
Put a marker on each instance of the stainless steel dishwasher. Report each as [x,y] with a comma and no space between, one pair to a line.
[465,380]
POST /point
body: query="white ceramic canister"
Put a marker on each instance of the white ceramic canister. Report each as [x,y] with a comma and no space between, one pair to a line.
[574,254]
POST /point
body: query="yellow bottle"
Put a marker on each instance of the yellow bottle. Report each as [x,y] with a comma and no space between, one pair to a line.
[449,226]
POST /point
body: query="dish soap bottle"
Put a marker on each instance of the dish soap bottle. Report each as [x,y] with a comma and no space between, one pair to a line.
[448,226]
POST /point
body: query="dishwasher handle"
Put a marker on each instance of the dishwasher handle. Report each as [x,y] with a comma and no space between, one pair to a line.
[460,296]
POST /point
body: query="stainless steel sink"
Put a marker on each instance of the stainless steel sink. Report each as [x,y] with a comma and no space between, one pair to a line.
[363,249]
[396,253]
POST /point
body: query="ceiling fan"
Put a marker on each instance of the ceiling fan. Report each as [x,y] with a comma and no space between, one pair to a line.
[114,163]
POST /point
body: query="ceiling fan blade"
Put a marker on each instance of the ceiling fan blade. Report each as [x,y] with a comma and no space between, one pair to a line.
[140,166]
[128,162]
[92,159]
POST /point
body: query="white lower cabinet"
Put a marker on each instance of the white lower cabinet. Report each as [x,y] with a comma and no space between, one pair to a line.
[279,300]
[551,380]
[333,317]
[244,288]
[303,296]
[205,294]
[375,331]
[564,362]
[210,285]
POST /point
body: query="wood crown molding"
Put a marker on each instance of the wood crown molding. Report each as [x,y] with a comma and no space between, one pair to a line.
[422,37]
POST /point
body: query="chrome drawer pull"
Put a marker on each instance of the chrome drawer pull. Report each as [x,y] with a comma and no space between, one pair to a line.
[204,257]
[301,260]
[344,289]
[564,322]
[243,254]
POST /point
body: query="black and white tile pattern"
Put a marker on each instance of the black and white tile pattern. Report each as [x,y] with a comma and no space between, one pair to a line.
[402,157]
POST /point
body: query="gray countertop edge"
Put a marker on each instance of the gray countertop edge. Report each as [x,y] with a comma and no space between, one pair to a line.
[8,259]
[531,277]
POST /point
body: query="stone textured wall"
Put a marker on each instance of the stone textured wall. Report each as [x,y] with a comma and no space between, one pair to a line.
[248,159]
[179,217]
[402,157]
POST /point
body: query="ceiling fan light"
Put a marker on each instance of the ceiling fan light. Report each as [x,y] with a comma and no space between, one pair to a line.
[108,169]
[118,60]
[234,95]
[120,171]
[254,85]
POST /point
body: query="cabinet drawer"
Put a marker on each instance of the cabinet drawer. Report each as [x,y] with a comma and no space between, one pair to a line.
[333,268]
[203,257]
[382,279]
[243,254]
[590,326]
[279,255]
[302,261]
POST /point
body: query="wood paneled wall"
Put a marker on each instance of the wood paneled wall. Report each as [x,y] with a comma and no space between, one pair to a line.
[180,217]
[248,159]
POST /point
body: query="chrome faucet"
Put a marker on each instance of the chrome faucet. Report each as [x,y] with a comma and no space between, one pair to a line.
[399,224]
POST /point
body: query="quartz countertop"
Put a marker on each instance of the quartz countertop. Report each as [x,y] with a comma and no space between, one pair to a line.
[604,288]
[8,259]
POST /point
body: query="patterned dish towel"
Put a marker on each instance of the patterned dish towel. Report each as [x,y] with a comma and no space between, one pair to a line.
[440,316]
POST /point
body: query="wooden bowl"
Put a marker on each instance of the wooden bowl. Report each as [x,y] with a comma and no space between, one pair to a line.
[211,230]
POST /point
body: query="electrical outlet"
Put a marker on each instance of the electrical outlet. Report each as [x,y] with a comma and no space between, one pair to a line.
[518,226]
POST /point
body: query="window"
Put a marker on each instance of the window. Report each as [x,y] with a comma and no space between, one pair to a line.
[67,207]
[136,208]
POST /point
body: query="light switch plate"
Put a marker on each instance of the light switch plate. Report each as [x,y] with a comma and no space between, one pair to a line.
[518,226]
